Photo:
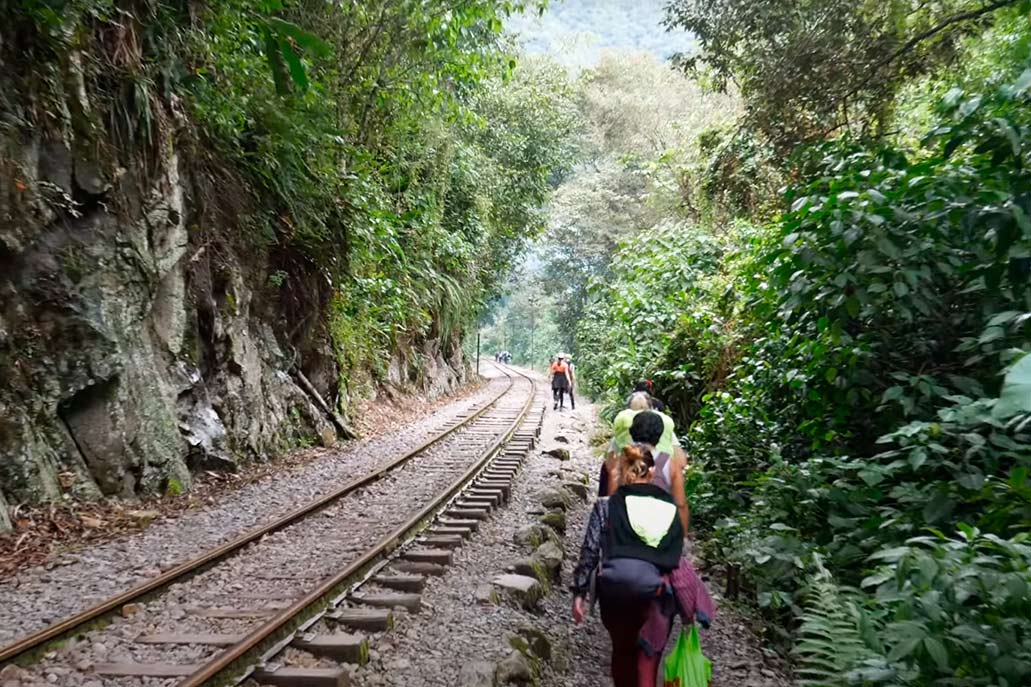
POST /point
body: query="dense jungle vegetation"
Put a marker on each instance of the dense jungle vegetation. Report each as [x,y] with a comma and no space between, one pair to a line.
[813,234]
[826,274]
[389,156]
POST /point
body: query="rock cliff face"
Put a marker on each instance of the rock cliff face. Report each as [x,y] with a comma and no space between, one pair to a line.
[134,350]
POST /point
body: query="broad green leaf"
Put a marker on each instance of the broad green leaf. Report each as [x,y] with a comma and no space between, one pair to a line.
[275,61]
[904,648]
[877,579]
[937,652]
[1023,84]
[297,70]
[1016,391]
[306,40]
[938,508]
[970,480]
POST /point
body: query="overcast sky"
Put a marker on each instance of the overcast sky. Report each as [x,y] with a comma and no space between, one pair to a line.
[577,32]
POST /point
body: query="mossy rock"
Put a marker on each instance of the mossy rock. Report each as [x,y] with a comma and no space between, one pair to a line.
[549,556]
[522,590]
[536,641]
[559,453]
[516,669]
[553,499]
[556,520]
[532,536]
[577,489]
[535,568]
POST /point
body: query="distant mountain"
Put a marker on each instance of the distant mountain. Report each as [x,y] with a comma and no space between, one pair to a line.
[577,32]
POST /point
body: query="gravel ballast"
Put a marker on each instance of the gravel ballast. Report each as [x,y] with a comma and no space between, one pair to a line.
[268,574]
[498,615]
[39,596]
[467,637]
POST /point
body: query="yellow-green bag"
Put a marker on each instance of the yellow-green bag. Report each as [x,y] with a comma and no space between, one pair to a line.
[686,665]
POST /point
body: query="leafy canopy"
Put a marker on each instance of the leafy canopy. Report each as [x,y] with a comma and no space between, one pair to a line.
[812,68]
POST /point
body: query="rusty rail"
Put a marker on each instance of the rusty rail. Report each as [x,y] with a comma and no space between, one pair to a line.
[220,669]
[62,628]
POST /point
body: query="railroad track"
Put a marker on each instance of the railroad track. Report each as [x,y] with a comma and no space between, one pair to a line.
[339,563]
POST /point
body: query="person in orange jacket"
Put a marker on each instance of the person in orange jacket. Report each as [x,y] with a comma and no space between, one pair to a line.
[559,382]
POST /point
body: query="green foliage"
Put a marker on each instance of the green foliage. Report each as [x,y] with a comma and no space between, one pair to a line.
[521,324]
[993,57]
[640,118]
[1015,398]
[174,487]
[647,310]
[808,69]
[954,608]
[832,648]
[382,162]
[848,394]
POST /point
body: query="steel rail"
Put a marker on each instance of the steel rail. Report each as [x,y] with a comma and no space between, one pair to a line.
[62,628]
[217,671]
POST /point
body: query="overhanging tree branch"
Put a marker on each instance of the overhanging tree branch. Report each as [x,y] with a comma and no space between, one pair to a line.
[909,45]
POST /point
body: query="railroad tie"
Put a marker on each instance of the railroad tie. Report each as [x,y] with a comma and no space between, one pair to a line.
[442,541]
[188,638]
[303,677]
[459,522]
[438,556]
[146,669]
[469,513]
[475,503]
[401,583]
[444,531]
[491,485]
[340,646]
[508,462]
[363,619]
[412,568]
[233,612]
[410,602]
[487,498]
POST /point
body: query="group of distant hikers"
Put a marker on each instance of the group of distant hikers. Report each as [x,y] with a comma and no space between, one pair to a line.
[632,560]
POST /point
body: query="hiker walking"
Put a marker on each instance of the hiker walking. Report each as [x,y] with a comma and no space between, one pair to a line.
[631,562]
[559,382]
[571,374]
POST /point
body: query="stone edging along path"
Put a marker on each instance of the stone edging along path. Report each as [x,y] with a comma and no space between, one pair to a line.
[500,614]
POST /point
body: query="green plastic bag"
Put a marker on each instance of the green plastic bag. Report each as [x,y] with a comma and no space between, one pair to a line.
[686,665]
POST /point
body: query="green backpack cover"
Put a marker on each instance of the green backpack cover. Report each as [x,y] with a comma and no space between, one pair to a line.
[686,665]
